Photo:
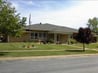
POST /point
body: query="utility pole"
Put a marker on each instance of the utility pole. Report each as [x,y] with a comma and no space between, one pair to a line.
[29,26]
[29,19]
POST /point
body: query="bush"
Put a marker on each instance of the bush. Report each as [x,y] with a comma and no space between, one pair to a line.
[73,41]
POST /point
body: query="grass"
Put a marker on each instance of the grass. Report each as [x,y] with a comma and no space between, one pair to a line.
[63,49]
[90,46]
[20,46]
[45,53]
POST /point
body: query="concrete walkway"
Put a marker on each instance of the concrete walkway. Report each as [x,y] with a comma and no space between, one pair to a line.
[46,57]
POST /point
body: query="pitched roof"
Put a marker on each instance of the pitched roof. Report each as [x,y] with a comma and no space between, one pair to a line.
[51,28]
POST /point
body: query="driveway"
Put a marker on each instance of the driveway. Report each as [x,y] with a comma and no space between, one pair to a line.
[83,64]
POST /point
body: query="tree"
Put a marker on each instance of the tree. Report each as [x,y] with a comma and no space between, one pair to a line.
[93,24]
[84,36]
[10,21]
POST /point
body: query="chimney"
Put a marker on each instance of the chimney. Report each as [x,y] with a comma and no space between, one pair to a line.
[40,23]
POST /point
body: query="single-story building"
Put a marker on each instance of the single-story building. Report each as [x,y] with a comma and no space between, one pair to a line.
[45,32]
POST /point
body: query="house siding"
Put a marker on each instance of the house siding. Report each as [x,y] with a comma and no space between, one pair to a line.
[63,38]
[24,38]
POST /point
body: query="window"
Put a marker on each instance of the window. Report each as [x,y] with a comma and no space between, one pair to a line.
[44,35]
[32,35]
[38,35]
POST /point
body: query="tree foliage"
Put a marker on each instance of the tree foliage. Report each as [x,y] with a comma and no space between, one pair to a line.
[84,36]
[93,24]
[10,21]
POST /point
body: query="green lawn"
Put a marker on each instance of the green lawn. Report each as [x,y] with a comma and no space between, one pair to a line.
[21,46]
[43,49]
[45,53]
[90,46]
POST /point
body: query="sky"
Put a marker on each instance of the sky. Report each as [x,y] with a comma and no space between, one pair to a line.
[70,13]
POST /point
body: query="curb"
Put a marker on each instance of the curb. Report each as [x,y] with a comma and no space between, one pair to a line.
[45,57]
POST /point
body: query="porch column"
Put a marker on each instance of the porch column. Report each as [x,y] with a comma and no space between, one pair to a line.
[55,38]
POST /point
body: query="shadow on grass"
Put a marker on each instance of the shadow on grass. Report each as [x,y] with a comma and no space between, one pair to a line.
[74,50]
[3,53]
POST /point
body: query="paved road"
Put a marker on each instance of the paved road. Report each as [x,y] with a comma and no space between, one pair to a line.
[52,65]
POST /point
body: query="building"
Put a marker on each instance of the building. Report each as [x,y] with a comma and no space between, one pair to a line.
[46,33]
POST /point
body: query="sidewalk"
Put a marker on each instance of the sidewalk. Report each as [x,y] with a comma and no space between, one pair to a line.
[45,57]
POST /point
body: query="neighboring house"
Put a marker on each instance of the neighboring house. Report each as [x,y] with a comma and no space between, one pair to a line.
[46,33]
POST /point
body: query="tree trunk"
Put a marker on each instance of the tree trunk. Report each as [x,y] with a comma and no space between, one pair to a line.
[83,46]
[6,38]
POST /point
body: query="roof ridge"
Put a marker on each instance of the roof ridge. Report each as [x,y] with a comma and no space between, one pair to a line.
[50,27]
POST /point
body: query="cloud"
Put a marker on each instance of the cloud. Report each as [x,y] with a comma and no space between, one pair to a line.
[30,3]
[72,14]
[27,2]
[15,5]
[75,17]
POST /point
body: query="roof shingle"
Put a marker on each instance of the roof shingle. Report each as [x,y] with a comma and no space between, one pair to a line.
[51,28]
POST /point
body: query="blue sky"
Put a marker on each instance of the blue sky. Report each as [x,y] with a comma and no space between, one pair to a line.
[70,13]
[43,4]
